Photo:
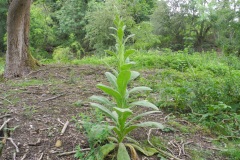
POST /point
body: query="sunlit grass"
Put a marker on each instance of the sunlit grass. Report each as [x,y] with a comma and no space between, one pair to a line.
[26,83]
[2,63]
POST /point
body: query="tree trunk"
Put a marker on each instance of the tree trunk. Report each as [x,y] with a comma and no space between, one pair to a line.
[19,61]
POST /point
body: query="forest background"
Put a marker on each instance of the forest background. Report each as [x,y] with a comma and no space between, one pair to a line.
[196,44]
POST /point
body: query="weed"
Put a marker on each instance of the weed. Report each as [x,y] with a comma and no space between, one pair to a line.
[4,110]
[180,127]
[2,64]
[120,110]
[26,83]
[96,134]
[78,103]
[78,153]
[29,111]
[72,78]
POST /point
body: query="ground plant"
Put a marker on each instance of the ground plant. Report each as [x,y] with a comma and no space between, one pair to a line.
[120,109]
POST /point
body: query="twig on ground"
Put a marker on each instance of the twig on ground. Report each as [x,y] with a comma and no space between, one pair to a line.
[34,72]
[41,156]
[217,149]
[52,98]
[24,156]
[14,155]
[11,140]
[4,123]
[72,152]
[5,134]
[183,146]
[159,150]
[64,128]
[179,148]
[182,120]
[36,143]
[60,121]
[6,115]
[167,117]
[6,100]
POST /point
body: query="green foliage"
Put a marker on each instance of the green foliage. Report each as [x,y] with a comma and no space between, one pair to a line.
[78,153]
[169,25]
[29,111]
[62,54]
[100,17]
[42,34]
[220,118]
[2,64]
[71,16]
[226,27]
[96,134]
[144,37]
[196,83]
[140,9]
[120,109]
[3,28]
[232,150]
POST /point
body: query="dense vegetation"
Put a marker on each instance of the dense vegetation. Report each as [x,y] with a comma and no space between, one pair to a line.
[193,48]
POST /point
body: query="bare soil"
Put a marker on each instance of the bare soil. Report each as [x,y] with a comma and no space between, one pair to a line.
[38,105]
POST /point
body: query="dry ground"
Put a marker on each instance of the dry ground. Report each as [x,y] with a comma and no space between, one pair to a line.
[39,104]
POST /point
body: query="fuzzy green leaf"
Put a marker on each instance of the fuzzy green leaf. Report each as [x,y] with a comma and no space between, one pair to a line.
[105,110]
[148,151]
[151,124]
[113,28]
[114,36]
[123,114]
[129,129]
[128,53]
[140,116]
[144,103]
[105,150]
[117,131]
[123,110]
[138,89]
[102,100]
[122,81]
[120,33]
[130,36]
[111,53]
[110,91]
[112,79]
[122,152]
[126,66]
[134,75]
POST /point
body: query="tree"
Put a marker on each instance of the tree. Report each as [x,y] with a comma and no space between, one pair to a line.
[100,16]
[19,61]
[169,22]
[3,15]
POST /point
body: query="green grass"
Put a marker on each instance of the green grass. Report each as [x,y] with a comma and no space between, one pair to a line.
[26,83]
[2,63]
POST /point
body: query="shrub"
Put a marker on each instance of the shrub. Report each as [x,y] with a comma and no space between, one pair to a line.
[62,54]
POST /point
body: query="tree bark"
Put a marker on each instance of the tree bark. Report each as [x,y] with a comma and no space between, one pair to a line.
[19,61]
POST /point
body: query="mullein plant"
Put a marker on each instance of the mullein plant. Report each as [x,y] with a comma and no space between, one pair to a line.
[117,107]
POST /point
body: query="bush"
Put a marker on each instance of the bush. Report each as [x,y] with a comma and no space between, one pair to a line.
[62,54]
[195,83]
